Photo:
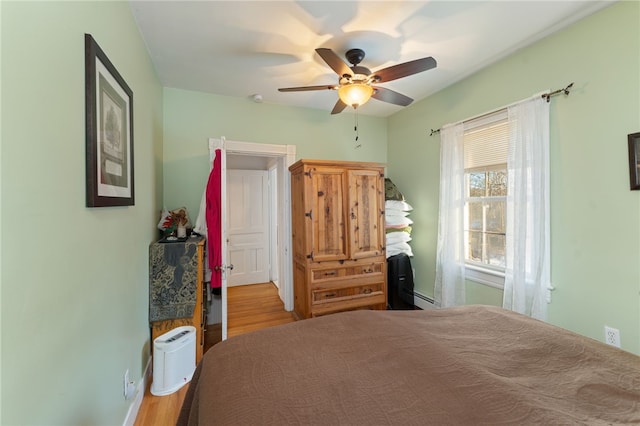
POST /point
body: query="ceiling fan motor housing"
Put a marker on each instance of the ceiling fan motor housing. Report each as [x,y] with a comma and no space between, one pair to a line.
[354,56]
[357,69]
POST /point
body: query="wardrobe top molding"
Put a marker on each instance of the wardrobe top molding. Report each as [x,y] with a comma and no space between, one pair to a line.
[346,164]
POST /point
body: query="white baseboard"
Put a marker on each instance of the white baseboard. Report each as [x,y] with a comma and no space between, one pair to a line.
[136,403]
[422,301]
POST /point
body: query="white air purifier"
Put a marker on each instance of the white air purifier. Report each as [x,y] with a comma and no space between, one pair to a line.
[174,360]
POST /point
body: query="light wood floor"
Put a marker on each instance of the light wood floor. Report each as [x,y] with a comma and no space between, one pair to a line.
[249,308]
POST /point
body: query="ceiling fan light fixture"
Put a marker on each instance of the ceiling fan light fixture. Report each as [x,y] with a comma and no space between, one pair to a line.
[355,94]
[356,84]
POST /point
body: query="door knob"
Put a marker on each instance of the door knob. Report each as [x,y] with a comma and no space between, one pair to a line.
[221,267]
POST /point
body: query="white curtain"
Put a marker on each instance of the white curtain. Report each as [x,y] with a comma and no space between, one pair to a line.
[527,272]
[450,281]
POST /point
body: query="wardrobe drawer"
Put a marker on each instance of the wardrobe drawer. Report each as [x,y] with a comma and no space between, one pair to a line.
[376,300]
[342,272]
[351,292]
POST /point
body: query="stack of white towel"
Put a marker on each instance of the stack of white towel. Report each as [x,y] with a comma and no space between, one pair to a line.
[398,227]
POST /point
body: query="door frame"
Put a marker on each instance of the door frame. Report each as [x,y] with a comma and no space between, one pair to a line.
[285,156]
[274,261]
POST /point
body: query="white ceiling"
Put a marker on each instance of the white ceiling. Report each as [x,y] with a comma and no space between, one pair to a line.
[242,48]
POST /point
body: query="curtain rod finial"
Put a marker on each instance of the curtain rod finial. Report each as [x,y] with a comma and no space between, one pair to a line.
[566,89]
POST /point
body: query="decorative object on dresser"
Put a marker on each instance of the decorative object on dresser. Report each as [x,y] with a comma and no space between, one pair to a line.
[175,223]
[176,288]
[338,237]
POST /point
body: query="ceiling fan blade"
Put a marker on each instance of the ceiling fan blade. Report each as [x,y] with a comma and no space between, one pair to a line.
[338,107]
[387,95]
[403,70]
[334,61]
[307,88]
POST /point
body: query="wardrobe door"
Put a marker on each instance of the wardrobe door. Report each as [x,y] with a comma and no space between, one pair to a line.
[366,213]
[300,225]
[327,213]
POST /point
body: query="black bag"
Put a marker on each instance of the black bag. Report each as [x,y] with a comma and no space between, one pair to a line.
[400,283]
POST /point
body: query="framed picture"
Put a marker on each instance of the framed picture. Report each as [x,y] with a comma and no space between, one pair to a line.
[634,160]
[109,131]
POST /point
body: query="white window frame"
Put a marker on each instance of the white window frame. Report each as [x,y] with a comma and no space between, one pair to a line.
[491,276]
[483,275]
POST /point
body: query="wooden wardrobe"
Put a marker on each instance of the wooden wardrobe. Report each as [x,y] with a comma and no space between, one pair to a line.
[338,237]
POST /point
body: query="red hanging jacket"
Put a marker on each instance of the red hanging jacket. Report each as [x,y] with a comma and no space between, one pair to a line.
[214,224]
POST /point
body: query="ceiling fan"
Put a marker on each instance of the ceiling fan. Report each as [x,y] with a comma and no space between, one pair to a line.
[356,83]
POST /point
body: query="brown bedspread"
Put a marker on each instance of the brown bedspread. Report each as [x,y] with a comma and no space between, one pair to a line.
[473,365]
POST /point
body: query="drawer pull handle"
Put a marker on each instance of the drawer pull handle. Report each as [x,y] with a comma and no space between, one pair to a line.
[328,295]
[330,273]
[368,271]
[367,291]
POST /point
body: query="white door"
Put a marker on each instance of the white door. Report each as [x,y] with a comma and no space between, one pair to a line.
[248,226]
[223,268]
[286,155]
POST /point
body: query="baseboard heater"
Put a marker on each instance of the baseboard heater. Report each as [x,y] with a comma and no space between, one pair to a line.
[174,360]
[422,301]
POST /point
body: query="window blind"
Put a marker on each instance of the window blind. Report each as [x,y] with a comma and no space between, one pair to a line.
[486,141]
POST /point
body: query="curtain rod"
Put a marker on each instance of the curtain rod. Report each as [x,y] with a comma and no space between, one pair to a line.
[546,96]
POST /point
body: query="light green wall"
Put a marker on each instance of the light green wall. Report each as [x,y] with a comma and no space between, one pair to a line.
[595,222]
[74,279]
[191,118]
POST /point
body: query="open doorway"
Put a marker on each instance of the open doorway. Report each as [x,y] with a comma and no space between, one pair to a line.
[252,222]
[275,160]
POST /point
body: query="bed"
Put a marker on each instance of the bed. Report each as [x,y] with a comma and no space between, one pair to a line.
[472,365]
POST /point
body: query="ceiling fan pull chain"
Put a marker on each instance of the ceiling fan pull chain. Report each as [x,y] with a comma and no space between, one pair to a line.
[355,128]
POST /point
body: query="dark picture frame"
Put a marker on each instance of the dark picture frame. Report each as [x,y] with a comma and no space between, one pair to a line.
[109,131]
[634,160]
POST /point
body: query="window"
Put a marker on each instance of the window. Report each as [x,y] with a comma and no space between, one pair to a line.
[485,217]
[493,225]
[485,163]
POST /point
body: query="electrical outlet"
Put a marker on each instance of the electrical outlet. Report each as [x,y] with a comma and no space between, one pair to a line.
[129,386]
[612,336]
[126,383]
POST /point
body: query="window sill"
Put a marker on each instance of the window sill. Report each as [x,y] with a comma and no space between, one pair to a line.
[485,276]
